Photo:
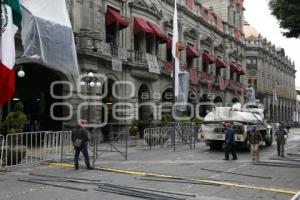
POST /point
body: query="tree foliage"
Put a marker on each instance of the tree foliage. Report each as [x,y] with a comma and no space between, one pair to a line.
[15,120]
[288,14]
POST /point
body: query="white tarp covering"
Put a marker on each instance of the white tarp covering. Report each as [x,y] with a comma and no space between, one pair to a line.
[221,114]
[47,35]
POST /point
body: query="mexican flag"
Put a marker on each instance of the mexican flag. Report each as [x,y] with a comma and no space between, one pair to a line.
[11,21]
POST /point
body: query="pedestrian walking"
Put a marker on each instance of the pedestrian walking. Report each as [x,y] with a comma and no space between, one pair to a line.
[230,142]
[254,138]
[80,140]
[281,137]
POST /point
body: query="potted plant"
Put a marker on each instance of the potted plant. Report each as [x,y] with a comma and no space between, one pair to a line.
[14,124]
[133,132]
[166,119]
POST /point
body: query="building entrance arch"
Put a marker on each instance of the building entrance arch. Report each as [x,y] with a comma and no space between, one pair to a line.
[33,90]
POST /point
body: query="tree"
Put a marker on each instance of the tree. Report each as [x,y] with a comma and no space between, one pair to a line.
[287,13]
[15,120]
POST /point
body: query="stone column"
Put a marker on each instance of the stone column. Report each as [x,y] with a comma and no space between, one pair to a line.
[96,18]
[86,15]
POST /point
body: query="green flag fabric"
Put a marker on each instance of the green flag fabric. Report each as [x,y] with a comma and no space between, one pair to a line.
[16,11]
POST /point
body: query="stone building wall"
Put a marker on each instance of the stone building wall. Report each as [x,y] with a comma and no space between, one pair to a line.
[214,34]
[271,71]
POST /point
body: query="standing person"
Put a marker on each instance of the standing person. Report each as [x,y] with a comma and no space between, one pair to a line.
[80,140]
[229,142]
[35,126]
[280,136]
[254,138]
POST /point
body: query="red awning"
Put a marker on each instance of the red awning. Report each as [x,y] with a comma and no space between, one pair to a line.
[169,43]
[234,67]
[115,17]
[241,70]
[191,51]
[220,63]
[206,58]
[158,32]
[141,25]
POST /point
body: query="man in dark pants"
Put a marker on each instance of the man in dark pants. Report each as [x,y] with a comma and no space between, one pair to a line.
[80,140]
[280,136]
[229,142]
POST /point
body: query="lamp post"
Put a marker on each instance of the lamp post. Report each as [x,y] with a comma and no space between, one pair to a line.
[90,81]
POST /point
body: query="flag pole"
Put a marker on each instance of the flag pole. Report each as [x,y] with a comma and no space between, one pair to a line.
[174,104]
[273,105]
[174,52]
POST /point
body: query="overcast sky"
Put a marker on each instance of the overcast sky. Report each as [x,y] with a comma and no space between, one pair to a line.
[259,16]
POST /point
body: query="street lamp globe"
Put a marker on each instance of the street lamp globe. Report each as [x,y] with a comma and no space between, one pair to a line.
[98,84]
[21,73]
[82,83]
[91,74]
[92,84]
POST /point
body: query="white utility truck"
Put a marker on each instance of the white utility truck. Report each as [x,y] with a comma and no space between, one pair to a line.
[212,131]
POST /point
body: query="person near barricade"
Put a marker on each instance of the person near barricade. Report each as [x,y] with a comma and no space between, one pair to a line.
[281,137]
[80,140]
[254,138]
[230,141]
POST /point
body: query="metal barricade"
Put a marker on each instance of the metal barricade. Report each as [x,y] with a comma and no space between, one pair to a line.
[1,150]
[114,138]
[31,147]
[170,136]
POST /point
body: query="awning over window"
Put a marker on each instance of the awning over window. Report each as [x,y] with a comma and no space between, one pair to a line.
[241,71]
[191,51]
[220,63]
[206,58]
[115,17]
[234,67]
[141,25]
[169,43]
[158,32]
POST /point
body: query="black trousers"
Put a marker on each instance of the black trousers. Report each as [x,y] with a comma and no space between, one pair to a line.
[84,150]
[230,148]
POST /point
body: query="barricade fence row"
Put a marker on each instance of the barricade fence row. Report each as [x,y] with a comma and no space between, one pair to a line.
[170,136]
[31,147]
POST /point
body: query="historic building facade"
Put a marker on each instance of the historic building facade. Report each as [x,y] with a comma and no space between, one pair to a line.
[131,41]
[272,74]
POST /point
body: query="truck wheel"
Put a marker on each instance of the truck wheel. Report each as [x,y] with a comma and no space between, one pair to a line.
[269,142]
[216,146]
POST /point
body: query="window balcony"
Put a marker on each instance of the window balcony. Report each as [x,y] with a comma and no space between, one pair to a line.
[238,87]
[137,56]
[232,84]
[205,77]
[111,50]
